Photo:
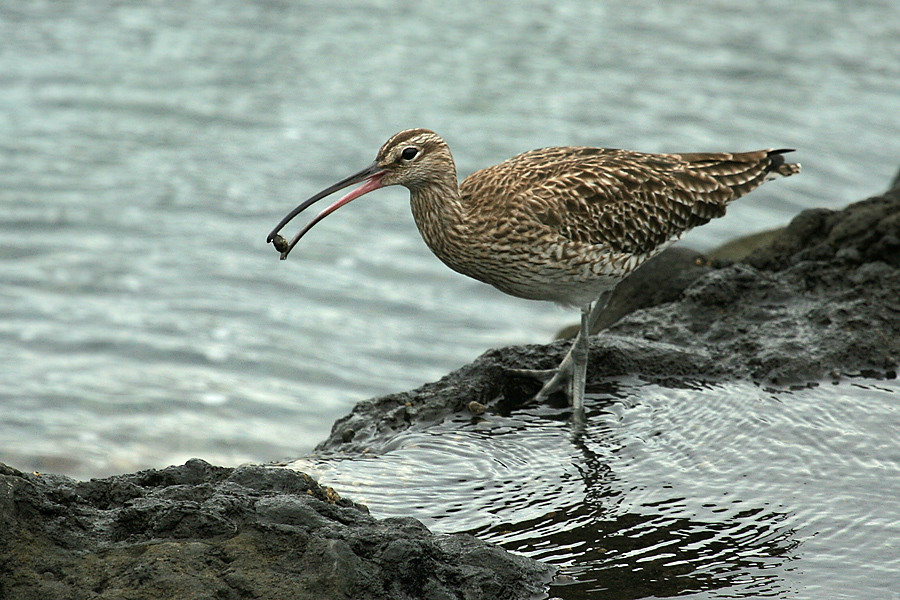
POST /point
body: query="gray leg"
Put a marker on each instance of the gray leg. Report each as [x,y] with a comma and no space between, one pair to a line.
[568,369]
[579,352]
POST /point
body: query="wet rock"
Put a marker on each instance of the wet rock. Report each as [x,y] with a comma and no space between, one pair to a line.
[820,300]
[198,531]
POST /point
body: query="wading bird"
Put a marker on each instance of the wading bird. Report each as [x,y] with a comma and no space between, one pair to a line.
[563,224]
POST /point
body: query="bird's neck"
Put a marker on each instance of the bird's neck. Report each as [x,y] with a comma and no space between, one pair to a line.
[439,214]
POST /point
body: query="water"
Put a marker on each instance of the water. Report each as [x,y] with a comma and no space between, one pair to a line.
[146,149]
[722,491]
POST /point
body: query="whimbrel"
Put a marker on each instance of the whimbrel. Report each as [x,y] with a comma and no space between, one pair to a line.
[563,224]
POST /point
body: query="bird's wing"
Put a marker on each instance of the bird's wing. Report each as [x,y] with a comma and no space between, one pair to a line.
[629,202]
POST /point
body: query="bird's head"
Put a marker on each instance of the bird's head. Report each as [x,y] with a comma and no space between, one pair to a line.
[412,158]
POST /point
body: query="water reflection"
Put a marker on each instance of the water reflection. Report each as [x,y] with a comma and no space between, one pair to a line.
[637,555]
[608,547]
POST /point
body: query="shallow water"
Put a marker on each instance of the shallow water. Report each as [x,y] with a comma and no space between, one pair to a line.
[713,491]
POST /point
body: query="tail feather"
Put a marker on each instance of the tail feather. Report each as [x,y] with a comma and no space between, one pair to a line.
[778,166]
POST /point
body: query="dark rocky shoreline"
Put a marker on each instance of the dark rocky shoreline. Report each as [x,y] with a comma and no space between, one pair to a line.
[199,531]
[819,301]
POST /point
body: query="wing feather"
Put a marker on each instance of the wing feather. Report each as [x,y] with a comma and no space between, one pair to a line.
[629,202]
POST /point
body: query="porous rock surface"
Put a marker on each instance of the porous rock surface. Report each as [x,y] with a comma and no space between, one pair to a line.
[197,531]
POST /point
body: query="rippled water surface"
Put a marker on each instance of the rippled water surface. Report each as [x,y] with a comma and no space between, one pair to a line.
[147,148]
[711,492]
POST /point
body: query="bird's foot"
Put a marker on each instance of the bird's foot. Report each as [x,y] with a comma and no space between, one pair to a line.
[552,380]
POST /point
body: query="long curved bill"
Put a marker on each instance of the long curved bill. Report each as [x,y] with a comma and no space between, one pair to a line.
[371,175]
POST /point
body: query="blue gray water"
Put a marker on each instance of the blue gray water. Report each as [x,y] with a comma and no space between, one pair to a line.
[146,149]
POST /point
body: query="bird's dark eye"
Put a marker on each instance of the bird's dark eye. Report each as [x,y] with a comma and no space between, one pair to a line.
[409,153]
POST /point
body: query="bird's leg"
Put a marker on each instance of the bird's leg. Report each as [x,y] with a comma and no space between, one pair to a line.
[568,369]
[580,352]
[573,368]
